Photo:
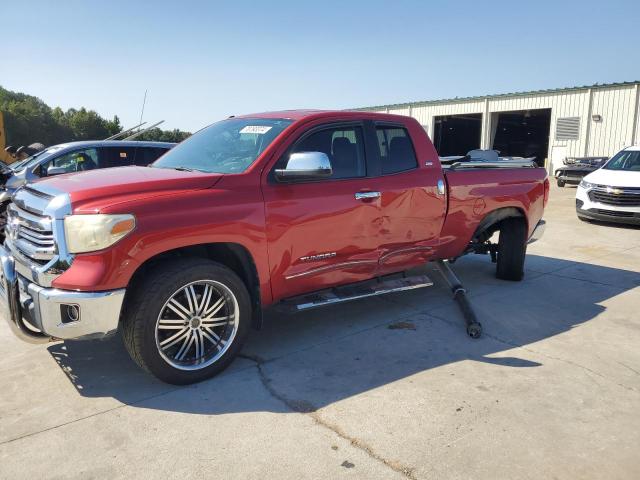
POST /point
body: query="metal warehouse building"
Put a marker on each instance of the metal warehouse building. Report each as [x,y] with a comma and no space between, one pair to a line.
[553,124]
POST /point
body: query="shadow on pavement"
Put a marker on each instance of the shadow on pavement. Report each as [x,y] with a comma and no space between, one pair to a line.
[351,353]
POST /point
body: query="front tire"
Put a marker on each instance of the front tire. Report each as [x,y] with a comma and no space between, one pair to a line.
[560,183]
[187,320]
[512,249]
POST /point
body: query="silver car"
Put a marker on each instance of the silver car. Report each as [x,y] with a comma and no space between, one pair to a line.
[75,157]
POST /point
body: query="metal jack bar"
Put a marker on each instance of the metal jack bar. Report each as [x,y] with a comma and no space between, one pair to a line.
[474,328]
[118,135]
[137,134]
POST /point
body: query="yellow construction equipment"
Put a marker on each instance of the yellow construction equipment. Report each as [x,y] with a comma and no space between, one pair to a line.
[4,156]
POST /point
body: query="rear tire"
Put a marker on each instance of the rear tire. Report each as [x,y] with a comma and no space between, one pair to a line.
[186,320]
[512,248]
[560,183]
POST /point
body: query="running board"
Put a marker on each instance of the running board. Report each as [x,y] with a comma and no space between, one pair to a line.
[356,291]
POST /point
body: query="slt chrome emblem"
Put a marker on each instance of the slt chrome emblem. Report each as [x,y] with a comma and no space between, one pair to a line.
[320,256]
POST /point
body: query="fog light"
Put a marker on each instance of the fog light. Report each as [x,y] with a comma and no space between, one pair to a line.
[69,313]
[579,203]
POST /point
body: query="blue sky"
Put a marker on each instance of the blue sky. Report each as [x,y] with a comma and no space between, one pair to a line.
[202,61]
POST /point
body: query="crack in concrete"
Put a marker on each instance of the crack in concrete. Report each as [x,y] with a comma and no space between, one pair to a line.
[586,280]
[307,408]
[629,368]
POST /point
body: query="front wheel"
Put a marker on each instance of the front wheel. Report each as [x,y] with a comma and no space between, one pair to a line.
[512,249]
[560,183]
[186,321]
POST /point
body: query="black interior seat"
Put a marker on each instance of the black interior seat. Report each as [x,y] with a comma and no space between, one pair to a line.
[401,156]
[344,158]
[85,162]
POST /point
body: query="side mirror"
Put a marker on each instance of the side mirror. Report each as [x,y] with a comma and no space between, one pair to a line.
[52,170]
[305,166]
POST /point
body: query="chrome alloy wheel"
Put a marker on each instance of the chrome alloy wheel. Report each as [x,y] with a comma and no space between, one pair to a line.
[197,325]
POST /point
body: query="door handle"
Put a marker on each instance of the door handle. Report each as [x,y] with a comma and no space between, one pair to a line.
[367,195]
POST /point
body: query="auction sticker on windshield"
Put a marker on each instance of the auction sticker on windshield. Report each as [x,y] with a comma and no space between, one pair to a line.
[259,129]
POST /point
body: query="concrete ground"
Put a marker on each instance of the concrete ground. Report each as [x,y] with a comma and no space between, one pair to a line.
[552,390]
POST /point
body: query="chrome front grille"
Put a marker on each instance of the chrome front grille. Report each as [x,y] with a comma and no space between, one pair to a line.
[31,232]
[35,232]
[623,197]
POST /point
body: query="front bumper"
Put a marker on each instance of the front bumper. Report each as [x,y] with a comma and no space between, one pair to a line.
[571,180]
[610,216]
[604,212]
[35,313]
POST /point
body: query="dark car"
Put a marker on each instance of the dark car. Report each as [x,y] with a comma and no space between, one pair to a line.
[74,157]
[576,168]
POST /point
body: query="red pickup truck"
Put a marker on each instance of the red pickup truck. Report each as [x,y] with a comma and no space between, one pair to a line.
[297,208]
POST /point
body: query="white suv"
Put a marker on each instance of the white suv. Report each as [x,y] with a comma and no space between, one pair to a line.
[612,193]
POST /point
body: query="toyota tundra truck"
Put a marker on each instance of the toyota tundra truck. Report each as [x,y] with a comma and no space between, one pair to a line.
[296,209]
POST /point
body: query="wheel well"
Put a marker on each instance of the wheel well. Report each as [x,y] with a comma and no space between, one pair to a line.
[492,221]
[232,255]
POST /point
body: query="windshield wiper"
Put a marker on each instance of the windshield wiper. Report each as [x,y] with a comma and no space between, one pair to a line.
[186,169]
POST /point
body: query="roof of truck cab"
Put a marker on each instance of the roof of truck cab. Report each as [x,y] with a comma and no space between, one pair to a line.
[307,114]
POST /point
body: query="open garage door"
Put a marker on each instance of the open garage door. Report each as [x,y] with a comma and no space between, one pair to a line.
[457,134]
[523,134]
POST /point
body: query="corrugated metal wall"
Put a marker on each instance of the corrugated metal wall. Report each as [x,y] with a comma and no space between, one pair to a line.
[616,105]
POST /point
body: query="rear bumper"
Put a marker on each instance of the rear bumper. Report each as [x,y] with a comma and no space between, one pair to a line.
[35,313]
[538,232]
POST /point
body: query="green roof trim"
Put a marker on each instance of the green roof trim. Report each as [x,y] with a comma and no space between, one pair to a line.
[499,95]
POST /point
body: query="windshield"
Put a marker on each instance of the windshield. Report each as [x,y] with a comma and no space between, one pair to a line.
[229,146]
[625,160]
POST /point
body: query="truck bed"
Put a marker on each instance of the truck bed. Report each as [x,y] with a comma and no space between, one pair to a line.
[475,191]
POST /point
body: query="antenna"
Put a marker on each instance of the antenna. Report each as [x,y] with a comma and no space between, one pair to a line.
[144,101]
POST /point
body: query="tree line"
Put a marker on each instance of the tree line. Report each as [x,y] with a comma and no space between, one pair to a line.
[28,120]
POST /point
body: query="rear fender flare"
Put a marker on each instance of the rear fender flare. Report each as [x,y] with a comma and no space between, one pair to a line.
[494,218]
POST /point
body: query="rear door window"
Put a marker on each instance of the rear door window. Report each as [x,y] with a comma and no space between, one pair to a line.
[147,155]
[118,156]
[396,150]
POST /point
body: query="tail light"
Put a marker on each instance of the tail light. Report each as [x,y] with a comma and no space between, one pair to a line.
[546,192]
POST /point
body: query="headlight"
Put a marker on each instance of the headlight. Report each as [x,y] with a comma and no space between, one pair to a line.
[586,185]
[88,233]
